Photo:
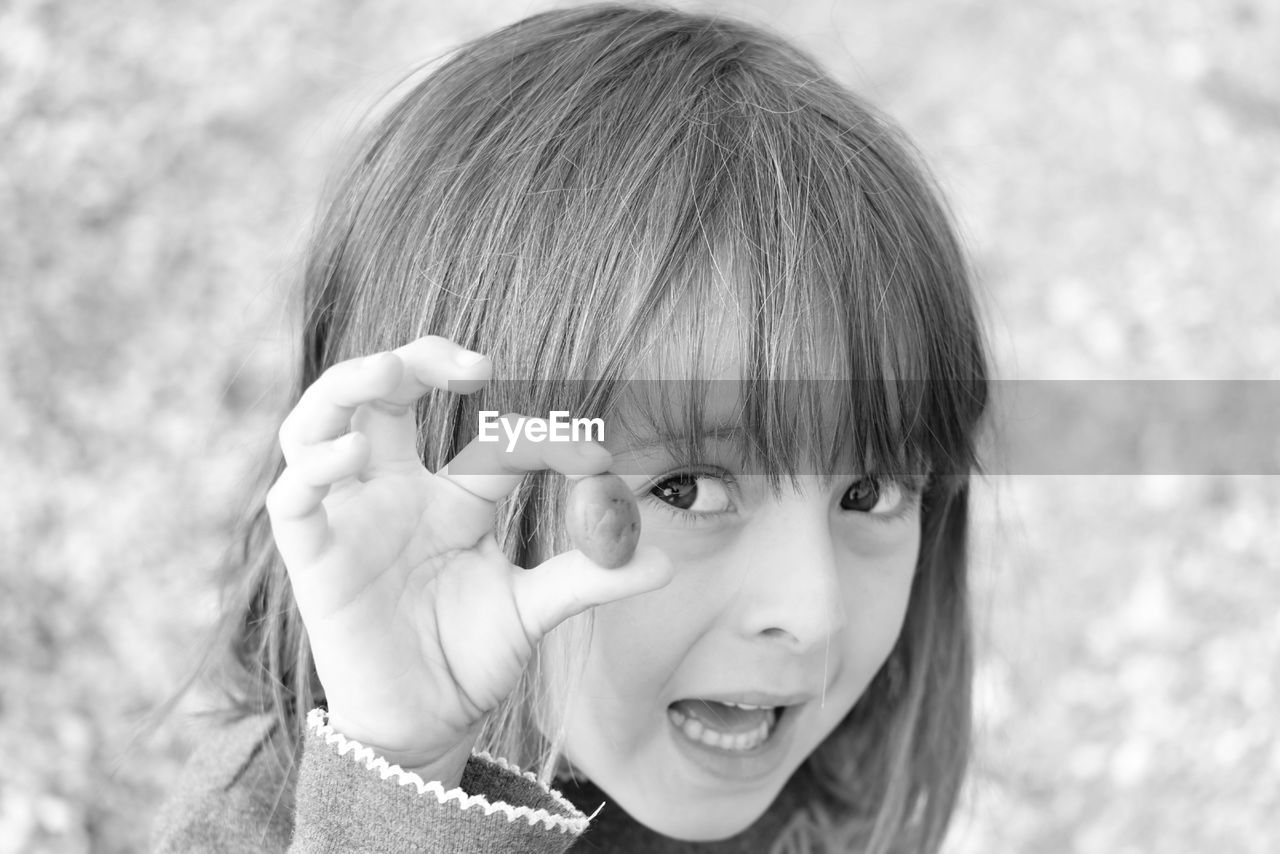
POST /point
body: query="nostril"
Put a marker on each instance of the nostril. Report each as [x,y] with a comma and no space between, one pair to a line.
[804,632]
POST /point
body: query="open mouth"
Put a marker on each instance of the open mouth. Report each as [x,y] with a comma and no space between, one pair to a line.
[733,727]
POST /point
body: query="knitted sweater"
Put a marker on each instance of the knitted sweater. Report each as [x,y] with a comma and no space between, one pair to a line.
[239,793]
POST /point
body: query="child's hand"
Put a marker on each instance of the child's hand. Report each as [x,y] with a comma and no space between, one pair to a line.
[418,623]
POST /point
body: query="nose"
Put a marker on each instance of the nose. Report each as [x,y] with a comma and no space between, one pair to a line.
[791,590]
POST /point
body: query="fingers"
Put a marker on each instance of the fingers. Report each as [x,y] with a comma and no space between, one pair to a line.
[295,501]
[324,411]
[373,397]
[569,584]
[492,468]
[435,362]
[427,363]
[382,388]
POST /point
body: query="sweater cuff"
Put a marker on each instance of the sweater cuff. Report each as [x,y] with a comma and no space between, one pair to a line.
[351,799]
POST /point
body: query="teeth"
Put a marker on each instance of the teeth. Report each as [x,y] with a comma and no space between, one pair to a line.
[695,730]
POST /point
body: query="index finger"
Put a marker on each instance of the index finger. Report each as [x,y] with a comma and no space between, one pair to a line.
[388,381]
[490,469]
[434,362]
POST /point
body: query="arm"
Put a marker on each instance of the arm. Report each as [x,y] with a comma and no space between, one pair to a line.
[350,799]
[240,792]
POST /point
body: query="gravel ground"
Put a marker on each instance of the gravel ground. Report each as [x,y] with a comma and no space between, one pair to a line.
[1113,164]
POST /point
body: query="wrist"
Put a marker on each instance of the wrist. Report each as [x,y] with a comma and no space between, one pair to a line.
[444,766]
[447,771]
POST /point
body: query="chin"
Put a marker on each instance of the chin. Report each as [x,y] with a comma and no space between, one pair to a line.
[699,819]
[704,827]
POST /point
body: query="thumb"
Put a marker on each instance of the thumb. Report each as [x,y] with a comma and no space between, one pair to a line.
[570,583]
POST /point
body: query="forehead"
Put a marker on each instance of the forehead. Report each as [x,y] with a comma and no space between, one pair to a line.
[709,379]
[720,329]
[693,339]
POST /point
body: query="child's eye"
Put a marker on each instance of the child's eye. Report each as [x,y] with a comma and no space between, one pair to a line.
[696,493]
[872,495]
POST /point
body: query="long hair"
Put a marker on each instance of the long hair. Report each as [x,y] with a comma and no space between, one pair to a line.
[564,192]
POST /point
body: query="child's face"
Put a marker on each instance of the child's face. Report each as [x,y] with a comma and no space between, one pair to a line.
[787,600]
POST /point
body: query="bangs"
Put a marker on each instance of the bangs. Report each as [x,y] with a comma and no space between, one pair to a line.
[702,209]
[820,315]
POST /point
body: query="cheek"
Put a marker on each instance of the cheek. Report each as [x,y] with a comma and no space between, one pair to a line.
[617,717]
[638,643]
[667,621]
[877,612]
[639,647]
[877,590]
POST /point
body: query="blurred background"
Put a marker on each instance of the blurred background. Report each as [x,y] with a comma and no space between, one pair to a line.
[1115,166]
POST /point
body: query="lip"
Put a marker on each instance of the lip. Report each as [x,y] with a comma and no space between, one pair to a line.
[742,767]
[756,698]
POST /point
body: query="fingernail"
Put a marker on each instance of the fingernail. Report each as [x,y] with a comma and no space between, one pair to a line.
[466,358]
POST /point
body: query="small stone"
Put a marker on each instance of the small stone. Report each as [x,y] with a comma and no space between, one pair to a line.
[603,520]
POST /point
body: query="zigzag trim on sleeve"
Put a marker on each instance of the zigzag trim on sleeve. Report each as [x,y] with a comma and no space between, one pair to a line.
[575,822]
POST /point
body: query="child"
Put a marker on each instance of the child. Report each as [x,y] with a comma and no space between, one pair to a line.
[681,226]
